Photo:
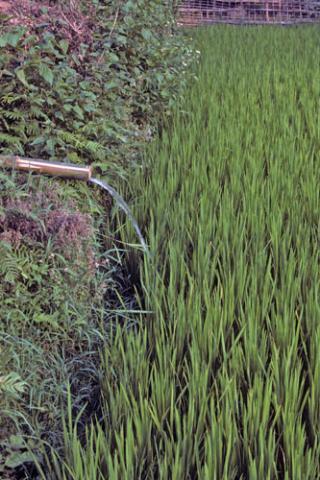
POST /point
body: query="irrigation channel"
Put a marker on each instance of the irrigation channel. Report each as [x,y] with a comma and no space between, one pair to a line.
[231,206]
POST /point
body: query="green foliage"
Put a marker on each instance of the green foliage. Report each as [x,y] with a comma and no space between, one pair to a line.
[96,102]
[44,279]
[33,288]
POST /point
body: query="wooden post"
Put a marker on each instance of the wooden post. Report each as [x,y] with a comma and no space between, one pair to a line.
[267,11]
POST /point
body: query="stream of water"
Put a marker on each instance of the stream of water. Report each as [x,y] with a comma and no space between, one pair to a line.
[124,206]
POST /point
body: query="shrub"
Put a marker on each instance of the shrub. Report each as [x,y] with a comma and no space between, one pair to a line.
[92,97]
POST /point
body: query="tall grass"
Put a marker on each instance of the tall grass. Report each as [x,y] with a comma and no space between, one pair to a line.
[223,380]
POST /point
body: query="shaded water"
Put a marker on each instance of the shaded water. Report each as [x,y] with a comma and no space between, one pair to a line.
[124,206]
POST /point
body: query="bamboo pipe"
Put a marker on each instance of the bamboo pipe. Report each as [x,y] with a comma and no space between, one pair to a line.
[56,169]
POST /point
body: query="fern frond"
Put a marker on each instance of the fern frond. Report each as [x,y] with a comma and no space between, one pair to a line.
[12,114]
[36,112]
[12,385]
[9,139]
[9,268]
[81,143]
[11,98]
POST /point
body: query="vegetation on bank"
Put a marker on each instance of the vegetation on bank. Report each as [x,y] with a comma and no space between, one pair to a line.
[223,381]
[203,363]
[84,85]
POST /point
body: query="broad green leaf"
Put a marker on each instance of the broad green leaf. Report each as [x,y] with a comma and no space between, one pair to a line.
[3,41]
[147,34]
[22,77]
[78,111]
[46,73]
[16,459]
[11,38]
[16,442]
[64,45]
[14,38]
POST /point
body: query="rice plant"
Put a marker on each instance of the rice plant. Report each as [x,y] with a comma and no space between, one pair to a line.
[223,381]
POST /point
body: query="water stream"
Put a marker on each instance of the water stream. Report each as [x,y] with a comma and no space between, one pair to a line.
[124,206]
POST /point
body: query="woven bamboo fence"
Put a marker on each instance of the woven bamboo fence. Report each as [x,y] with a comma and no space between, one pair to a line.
[202,12]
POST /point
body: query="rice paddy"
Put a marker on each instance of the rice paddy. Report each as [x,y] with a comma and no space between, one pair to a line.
[222,381]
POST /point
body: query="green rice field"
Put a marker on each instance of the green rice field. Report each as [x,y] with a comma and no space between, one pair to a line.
[222,381]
